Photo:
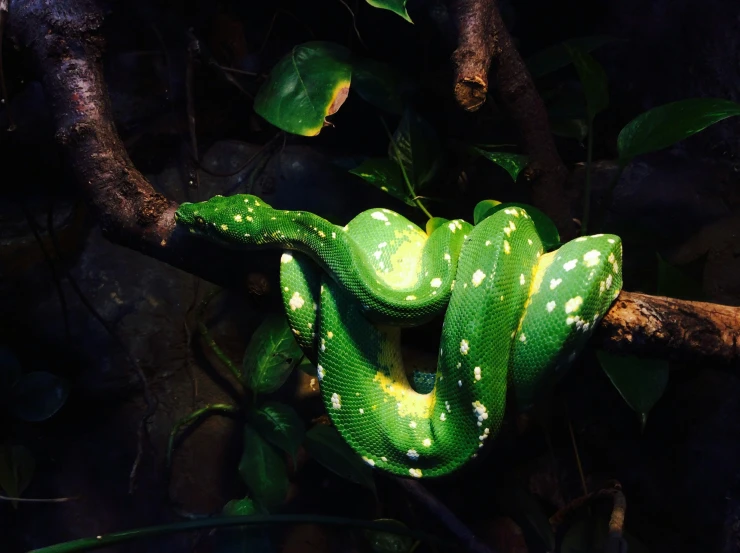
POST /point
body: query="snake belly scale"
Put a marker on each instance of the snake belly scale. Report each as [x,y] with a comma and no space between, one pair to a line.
[514,316]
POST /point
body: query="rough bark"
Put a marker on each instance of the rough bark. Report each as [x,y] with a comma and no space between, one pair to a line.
[62,37]
[484,43]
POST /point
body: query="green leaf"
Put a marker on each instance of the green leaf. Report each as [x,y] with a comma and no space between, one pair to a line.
[307,85]
[545,227]
[513,163]
[263,470]
[325,444]
[271,355]
[10,371]
[434,223]
[385,542]
[482,208]
[641,382]
[589,534]
[665,125]
[524,508]
[593,80]
[556,57]
[17,466]
[569,128]
[396,6]
[674,283]
[386,175]
[280,425]
[417,148]
[378,84]
[38,395]
[243,540]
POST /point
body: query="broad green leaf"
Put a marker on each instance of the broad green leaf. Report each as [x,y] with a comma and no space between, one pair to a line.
[556,57]
[668,124]
[482,208]
[522,506]
[10,371]
[270,356]
[593,80]
[641,382]
[589,534]
[386,542]
[396,6]
[569,128]
[417,148]
[263,470]
[378,84]
[17,466]
[545,227]
[307,85]
[325,444]
[386,175]
[243,540]
[674,283]
[434,223]
[513,163]
[280,425]
[38,395]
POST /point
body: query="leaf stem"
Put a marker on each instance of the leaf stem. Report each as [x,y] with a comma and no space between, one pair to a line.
[409,186]
[587,191]
[208,339]
[88,544]
[213,409]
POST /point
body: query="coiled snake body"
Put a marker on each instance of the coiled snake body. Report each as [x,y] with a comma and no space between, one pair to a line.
[513,316]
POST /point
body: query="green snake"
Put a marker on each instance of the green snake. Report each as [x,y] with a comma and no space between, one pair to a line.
[515,317]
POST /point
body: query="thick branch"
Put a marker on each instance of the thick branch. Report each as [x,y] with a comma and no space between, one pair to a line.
[485,42]
[62,37]
[655,326]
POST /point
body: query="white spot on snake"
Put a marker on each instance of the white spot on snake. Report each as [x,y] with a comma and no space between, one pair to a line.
[379,216]
[336,401]
[412,454]
[464,346]
[511,211]
[224,227]
[452,227]
[322,234]
[238,218]
[296,302]
[591,258]
[529,241]
[286,258]
[521,279]
[610,240]
[447,257]
[436,283]
[442,417]
[476,372]
[377,254]
[459,383]
[602,287]
[416,473]
[362,411]
[330,334]
[323,345]
[608,281]
[412,424]
[522,338]
[368,461]
[480,411]
[249,219]
[488,242]
[554,283]
[286,288]
[384,459]
[410,298]
[550,306]
[250,210]
[333,234]
[507,247]
[570,264]
[478,277]
[427,442]
[447,406]
[573,304]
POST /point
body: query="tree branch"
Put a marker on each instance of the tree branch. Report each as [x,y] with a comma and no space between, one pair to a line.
[62,36]
[484,42]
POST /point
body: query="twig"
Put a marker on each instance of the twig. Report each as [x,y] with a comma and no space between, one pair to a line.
[354,24]
[447,517]
[36,500]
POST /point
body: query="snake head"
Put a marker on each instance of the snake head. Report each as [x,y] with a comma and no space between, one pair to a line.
[227,219]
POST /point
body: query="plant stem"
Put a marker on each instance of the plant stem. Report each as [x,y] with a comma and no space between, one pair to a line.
[587,190]
[88,544]
[221,408]
[208,339]
[409,186]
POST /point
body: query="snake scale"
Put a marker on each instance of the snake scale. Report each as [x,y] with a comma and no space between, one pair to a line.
[515,317]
